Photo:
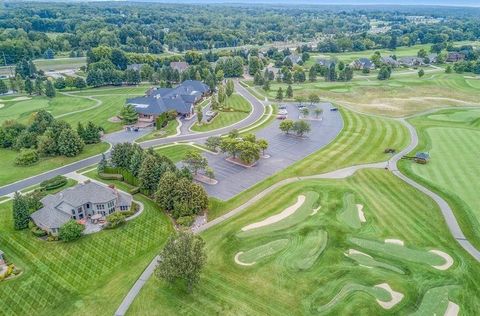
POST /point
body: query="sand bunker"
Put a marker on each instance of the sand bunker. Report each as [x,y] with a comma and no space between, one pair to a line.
[237,260]
[355,252]
[452,309]
[278,217]
[395,241]
[448,260]
[361,215]
[315,211]
[396,296]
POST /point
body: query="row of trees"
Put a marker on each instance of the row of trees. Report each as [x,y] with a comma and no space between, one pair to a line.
[246,148]
[300,128]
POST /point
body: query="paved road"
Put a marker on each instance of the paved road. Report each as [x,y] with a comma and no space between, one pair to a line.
[256,114]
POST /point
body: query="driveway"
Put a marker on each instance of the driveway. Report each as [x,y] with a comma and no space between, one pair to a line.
[284,150]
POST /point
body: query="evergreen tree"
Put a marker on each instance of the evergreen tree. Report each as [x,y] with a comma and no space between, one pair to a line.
[50,90]
[279,94]
[221,95]
[214,103]
[95,78]
[60,83]
[69,143]
[230,88]
[28,86]
[79,83]
[129,115]
[421,73]
[312,74]
[21,214]
[258,80]
[3,87]
[266,85]
[39,86]
[91,133]
[289,92]
[384,73]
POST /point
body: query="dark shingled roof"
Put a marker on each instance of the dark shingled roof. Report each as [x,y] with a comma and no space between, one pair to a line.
[179,99]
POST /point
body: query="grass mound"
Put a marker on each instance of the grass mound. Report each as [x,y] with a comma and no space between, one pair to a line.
[435,301]
[365,260]
[306,250]
[398,251]
[302,213]
[349,214]
[258,253]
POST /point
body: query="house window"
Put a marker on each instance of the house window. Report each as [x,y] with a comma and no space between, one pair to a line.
[74,217]
[88,205]
[100,207]
[73,211]
[80,216]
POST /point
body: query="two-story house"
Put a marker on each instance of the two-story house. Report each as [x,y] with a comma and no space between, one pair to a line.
[79,202]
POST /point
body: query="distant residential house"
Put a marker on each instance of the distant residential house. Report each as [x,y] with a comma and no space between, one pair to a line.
[389,61]
[77,203]
[181,99]
[455,56]
[294,58]
[362,63]
[135,67]
[325,62]
[411,61]
[432,58]
[181,66]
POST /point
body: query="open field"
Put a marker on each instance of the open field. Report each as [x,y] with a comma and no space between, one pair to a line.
[452,138]
[362,140]
[73,278]
[176,152]
[401,95]
[259,273]
[9,172]
[239,109]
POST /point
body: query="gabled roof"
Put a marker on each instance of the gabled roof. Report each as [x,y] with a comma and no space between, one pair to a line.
[325,62]
[294,58]
[179,65]
[179,99]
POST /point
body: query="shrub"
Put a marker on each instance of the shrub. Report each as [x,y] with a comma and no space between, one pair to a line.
[37,232]
[26,157]
[186,221]
[110,176]
[54,183]
[134,190]
[71,231]
[116,219]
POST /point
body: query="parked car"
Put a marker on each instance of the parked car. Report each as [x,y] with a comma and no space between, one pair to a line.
[301,106]
[283,112]
[282,107]
[334,109]
[281,117]
[210,113]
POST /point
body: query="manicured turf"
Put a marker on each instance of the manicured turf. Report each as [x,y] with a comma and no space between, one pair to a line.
[362,140]
[170,129]
[60,63]
[86,277]
[368,261]
[435,301]
[271,287]
[239,109]
[452,138]
[258,253]
[176,152]
[401,95]
[9,172]
[349,214]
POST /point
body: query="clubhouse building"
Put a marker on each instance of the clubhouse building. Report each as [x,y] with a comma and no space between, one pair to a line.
[181,99]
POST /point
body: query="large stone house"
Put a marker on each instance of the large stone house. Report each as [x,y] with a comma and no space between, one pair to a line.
[455,56]
[181,99]
[362,63]
[411,61]
[389,61]
[79,202]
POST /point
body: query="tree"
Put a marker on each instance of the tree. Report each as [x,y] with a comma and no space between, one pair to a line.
[279,96]
[249,151]
[121,155]
[301,128]
[38,86]
[151,171]
[230,88]
[129,115]
[132,76]
[286,126]
[312,74]
[3,87]
[209,172]
[69,143]
[21,214]
[95,78]
[289,92]
[49,54]
[221,95]
[422,53]
[28,86]
[230,146]
[213,142]
[254,65]
[71,231]
[102,164]
[50,90]
[313,98]
[305,112]
[384,73]
[79,83]
[195,161]
[90,134]
[214,103]
[190,198]
[136,160]
[266,85]
[448,70]
[165,195]
[421,73]
[199,114]
[182,258]
[60,83]
[318,112]
[263,144]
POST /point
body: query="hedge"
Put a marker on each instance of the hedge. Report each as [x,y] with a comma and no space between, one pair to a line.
[110,176]
[54,183]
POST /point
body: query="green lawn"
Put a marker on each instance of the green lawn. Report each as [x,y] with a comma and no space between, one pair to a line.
[176,152]
[401,95]
[452,138]
[278,282]
[9,172]
[77,278]
[237,108]
[362,140]
[169,130]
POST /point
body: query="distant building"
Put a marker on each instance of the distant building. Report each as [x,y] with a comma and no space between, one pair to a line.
[135,67]
[432,58]
[389,61]
[294,58]
[181,66]
[362,63]
[455,56]
[181,99]
[325,62]
[411,61]
[77,203]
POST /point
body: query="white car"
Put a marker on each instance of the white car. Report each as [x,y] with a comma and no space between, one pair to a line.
[282,112]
